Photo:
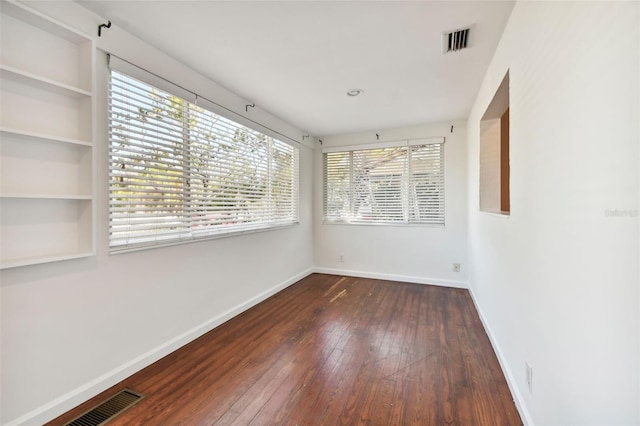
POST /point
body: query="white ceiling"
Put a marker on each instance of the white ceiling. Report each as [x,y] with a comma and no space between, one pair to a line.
[297,59]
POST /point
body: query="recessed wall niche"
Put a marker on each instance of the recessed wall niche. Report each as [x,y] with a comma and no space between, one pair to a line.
[494,153]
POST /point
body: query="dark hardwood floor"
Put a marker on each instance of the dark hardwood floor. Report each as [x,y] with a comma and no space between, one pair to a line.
[331,350]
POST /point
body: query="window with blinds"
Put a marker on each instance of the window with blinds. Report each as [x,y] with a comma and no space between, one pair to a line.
[179,172]
[400,183]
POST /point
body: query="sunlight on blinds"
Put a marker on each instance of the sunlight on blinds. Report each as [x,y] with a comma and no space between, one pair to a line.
[396,184]
[179,172]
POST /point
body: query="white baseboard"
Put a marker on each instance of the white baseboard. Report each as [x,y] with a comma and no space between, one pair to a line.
[515,391]
[87,391]
[72,399]
[392,277]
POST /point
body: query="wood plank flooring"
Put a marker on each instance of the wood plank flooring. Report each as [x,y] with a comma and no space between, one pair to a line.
[331,350]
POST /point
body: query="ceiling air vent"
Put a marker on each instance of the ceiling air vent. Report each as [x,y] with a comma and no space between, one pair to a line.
[455,40]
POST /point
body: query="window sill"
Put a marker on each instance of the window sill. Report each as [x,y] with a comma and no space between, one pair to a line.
[116,250]
[389,224]
[505,215]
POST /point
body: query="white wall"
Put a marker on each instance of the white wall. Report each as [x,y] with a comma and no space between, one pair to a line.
[557,281]
[490,171]
[71,329]
[423,254]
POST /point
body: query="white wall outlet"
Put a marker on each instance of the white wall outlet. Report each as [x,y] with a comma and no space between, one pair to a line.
[456,267]
[341,257]
[529,372]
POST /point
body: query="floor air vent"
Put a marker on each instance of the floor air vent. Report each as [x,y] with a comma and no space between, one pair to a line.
[108,409]
[455,40]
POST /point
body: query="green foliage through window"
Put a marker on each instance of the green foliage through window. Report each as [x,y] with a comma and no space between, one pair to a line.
[180,172]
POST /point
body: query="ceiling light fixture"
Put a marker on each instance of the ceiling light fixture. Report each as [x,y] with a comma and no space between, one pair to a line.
[355,92]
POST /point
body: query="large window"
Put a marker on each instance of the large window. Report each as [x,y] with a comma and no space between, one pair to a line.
[396,183]
[180,172]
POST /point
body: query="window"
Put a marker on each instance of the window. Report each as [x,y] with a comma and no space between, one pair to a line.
[494,153]
[179,172]
[396,183]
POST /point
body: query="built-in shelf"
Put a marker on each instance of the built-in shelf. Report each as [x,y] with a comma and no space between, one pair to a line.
[11,73]
[47,126]
[45,228]
[4,131]
[47,196]
[14,263]
[39,20]
[34,108]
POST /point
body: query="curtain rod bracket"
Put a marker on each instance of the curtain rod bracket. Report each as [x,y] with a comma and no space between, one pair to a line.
[304,137]
[246,107]
[233,112]
[101,26]
[320,140]
[377,137]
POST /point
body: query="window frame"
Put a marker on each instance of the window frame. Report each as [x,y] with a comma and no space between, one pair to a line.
[274,146]
[407,184]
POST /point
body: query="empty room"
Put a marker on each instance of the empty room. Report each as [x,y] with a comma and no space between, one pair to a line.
[319,212]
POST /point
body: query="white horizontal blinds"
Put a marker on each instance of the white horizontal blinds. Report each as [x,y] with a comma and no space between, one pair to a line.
[377,184]
[229,175]
[400,183]
[337,186]
[284,182]
[146,197]
[426,184]
[181,172]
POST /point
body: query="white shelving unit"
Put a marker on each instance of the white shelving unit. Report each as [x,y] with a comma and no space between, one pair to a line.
[47,133]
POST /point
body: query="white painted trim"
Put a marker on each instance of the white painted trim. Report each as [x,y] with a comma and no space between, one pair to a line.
[392,277]
[87,391]
[508,374]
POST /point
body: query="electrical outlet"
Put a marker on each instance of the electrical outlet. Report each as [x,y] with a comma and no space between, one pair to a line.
[529,372]
[456,267]
[341,257]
